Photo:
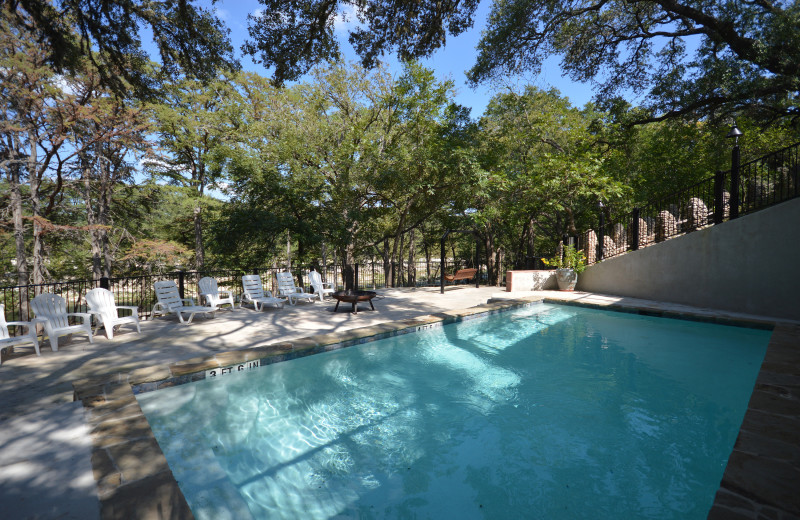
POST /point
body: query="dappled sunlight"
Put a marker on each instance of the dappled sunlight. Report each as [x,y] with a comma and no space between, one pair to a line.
[46,454]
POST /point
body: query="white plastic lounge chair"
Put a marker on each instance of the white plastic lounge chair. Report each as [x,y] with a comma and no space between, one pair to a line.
[320,288]
[7,340]
[253,292]
[170,301]
[288,290]
[214,295]
[102,306]
[53,308]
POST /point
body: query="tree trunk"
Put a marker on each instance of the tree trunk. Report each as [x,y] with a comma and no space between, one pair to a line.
[401,272]
[427,260]
[199,251]
[412,267]
[35,182]
[91,216]
[348,271]
[324,263]
[489,251]
[19,237]
[530,255]
[500,262]
[387,266]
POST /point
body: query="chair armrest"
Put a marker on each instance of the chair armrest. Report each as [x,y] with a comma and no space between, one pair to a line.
[84,315]
[27,324]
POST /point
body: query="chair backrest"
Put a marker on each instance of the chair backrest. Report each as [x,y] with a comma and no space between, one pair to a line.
[53,307]
[102,301]
[315,279]
[208,285]
[285,283]
[3,326]
[251,285]
[167,294]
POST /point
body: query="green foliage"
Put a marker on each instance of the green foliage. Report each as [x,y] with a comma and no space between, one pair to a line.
[293,36]
[747,55]
[545,170]
[571,258]
[349,164]
[190,39]
[685,58]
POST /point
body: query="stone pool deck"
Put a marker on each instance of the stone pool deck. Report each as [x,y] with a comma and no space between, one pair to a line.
[131,474]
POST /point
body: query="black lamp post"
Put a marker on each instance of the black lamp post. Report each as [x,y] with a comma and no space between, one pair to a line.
[735,133]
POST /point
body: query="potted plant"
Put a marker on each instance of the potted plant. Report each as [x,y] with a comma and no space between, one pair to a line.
[568,266]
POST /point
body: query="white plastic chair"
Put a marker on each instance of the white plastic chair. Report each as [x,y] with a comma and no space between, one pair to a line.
[7,340]
[213,294]
[102,306]
[315,279]
[253,292]
[288,290]
[170,301]
[53,308]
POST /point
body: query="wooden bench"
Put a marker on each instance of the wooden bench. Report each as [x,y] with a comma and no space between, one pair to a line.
[461,274]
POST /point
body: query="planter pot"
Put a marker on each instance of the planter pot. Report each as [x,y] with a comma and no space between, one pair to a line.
[567,278]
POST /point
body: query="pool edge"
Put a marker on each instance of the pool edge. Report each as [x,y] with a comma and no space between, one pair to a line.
[134,480]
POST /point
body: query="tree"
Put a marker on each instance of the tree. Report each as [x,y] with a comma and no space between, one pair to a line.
[190,39]
[747,54]
[293,36]
[424,166]
[545,175]
[193,125]
[309,156]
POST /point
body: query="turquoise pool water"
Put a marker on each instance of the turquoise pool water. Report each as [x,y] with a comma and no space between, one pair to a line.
[543,412]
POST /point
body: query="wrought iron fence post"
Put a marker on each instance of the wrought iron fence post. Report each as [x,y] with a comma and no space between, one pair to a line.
[635,230]
[735,160]
[735,134]
[104,282]
[601,236]
[719,197]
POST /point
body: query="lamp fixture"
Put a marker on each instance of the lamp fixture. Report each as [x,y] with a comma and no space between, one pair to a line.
[735,132]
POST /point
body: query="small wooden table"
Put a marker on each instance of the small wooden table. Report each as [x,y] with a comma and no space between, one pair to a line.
[354,297]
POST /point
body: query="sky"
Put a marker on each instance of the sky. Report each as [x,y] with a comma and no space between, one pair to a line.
[449,62]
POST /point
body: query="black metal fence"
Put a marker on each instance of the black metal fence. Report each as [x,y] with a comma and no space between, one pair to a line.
[138,290]
[743,189]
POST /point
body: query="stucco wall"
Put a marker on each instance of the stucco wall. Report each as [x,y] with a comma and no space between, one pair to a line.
[531,280]
[751,264]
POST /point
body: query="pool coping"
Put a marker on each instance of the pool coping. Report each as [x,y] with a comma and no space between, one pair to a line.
[134,479]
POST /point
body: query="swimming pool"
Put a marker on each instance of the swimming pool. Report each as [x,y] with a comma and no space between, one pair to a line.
[547,411]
